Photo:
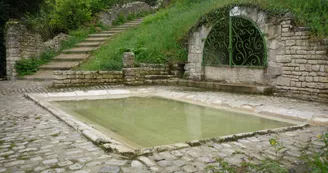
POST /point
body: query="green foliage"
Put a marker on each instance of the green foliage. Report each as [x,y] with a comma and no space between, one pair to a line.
[70,14]
[318,161]
[30,66]
[164,35]
[119,20]
[276,144]
[313,13]
[57,16]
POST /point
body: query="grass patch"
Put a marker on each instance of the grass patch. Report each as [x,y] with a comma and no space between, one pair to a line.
[162,37]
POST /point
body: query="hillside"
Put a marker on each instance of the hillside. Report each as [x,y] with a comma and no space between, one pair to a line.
[162,36]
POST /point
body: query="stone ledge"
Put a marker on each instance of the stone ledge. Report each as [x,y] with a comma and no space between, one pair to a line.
[236,88]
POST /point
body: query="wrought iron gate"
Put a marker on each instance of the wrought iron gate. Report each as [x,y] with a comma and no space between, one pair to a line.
[235,41]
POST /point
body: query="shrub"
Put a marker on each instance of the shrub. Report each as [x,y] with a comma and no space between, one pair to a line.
[70,14]
[26,66]
[31,65]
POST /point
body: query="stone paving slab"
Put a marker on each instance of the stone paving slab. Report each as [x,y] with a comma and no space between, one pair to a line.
[74,57]
[33,140]
[59,65]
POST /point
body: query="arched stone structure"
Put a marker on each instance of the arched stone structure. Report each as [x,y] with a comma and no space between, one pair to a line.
[196,71]
[296,65]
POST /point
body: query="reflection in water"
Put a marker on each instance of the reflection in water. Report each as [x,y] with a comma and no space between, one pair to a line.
[151,121]
[194,122]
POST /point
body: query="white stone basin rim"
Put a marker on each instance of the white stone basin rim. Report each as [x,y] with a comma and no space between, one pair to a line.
[112,145]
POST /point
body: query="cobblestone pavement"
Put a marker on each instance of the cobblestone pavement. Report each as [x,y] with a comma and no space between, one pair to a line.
[25,86]
[33,140]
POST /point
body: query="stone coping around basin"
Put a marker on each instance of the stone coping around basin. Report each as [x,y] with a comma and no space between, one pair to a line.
[112,145]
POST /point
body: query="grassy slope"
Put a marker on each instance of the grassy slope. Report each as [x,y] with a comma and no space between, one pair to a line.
[158,38]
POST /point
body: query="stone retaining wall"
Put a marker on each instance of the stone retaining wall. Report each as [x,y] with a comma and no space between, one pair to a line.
[304,65]
[86,78]
[22,43]
[137,76]
[129,76]
[297,66]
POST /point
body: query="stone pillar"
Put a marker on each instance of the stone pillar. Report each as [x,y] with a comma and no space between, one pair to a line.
[129,72]
[12,37]
[128,59]
[194,68]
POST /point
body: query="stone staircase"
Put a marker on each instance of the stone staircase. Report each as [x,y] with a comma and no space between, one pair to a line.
[73,57]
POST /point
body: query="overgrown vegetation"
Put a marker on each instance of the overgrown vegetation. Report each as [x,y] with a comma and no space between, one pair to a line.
[317,162]
[162,37]
[57,16]
[31,65]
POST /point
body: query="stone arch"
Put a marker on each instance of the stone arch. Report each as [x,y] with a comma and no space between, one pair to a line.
[296,65]
[196,71]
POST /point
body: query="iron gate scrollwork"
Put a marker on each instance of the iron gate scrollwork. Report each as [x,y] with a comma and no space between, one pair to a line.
[235,41]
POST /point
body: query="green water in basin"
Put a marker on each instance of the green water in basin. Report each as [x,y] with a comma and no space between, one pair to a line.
[150,121]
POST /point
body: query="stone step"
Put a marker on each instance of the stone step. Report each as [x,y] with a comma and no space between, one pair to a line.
[128,25]
[41,75]
[95,39]
[158,76]
[132,23]
[61,65]
[82,50]
[111,32]
[234,88]
[100,35]
[325,41]
[89,44]
[70,57]
[118,29]
[153,65]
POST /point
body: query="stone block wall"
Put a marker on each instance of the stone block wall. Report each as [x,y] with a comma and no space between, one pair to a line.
[304,64]
[19,44]
[86,78]
[297,65]
[22,43]
[138,76]
[128,76]
[108,16]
